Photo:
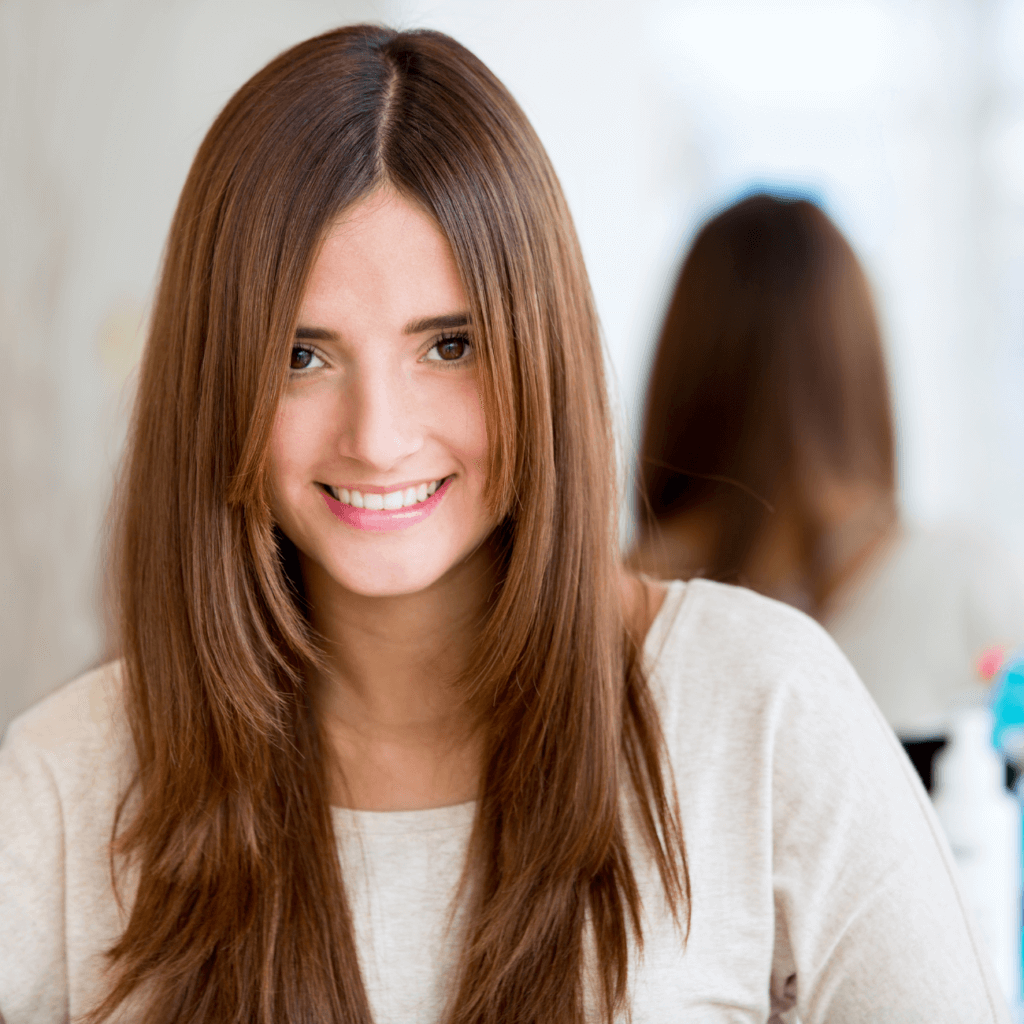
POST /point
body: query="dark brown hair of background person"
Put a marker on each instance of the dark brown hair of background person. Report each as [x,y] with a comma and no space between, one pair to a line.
[240,913]
[768,455]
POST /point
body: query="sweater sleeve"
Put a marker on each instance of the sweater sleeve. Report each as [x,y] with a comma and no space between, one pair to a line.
[33,970]
[870,921]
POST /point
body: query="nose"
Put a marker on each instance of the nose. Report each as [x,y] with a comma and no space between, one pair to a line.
[382,425]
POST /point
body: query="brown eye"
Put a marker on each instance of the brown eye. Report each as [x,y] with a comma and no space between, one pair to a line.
[451,350]
[302,357]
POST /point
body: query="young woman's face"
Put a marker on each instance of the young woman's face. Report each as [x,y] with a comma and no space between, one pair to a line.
[379,446]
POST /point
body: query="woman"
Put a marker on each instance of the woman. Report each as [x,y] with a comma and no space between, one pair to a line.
[391,736]
[768,417]
[768,459]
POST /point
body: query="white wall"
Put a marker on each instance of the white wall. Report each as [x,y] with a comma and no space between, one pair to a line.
[906,118]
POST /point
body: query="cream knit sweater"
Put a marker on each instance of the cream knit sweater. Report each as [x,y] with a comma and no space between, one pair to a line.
[821,884]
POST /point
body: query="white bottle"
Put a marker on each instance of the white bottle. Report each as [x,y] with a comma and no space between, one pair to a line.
[983,824]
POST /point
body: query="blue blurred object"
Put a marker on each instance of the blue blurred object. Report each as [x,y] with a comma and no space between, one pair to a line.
[1007,702]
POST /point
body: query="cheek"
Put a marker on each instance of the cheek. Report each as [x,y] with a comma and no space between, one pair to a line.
[278,470]
[467,427]
[292,445]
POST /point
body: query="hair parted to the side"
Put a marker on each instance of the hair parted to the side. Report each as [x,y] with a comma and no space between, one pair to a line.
[240,912]
[768,377]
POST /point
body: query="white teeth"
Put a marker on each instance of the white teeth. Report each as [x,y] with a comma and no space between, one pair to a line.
[391,501]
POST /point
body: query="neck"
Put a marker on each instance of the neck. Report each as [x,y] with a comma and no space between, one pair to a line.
[389,699]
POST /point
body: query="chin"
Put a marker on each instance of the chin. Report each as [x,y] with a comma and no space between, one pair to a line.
[390,588]
[388,581]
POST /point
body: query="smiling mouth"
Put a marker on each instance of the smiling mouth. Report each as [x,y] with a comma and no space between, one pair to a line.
[389,502]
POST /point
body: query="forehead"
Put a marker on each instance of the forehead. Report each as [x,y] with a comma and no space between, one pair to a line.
[384,260]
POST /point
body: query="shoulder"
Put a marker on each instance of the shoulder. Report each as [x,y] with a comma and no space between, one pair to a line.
[983,561]
[79,728]
[64,766]
[84,710]
[715,629]
[734,671]
[953,588]
[953,555]
[803,817]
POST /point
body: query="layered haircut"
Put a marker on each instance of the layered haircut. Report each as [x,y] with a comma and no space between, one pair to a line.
[240,911]
[768,378]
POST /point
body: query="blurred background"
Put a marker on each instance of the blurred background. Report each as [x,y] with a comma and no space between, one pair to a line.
[903,119]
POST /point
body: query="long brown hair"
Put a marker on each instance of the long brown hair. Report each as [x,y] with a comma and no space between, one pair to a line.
[768,377]
[240,912]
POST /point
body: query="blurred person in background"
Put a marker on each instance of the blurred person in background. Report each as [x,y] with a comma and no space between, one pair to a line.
[768,460]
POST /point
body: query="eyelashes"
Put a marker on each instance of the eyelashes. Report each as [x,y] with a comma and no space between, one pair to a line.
[451,349]
[302,356]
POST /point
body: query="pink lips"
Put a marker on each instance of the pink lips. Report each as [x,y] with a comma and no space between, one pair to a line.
[382,521]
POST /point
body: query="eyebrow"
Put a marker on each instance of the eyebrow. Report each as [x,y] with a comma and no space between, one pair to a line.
[437,323]
[430,323]
[315,334]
